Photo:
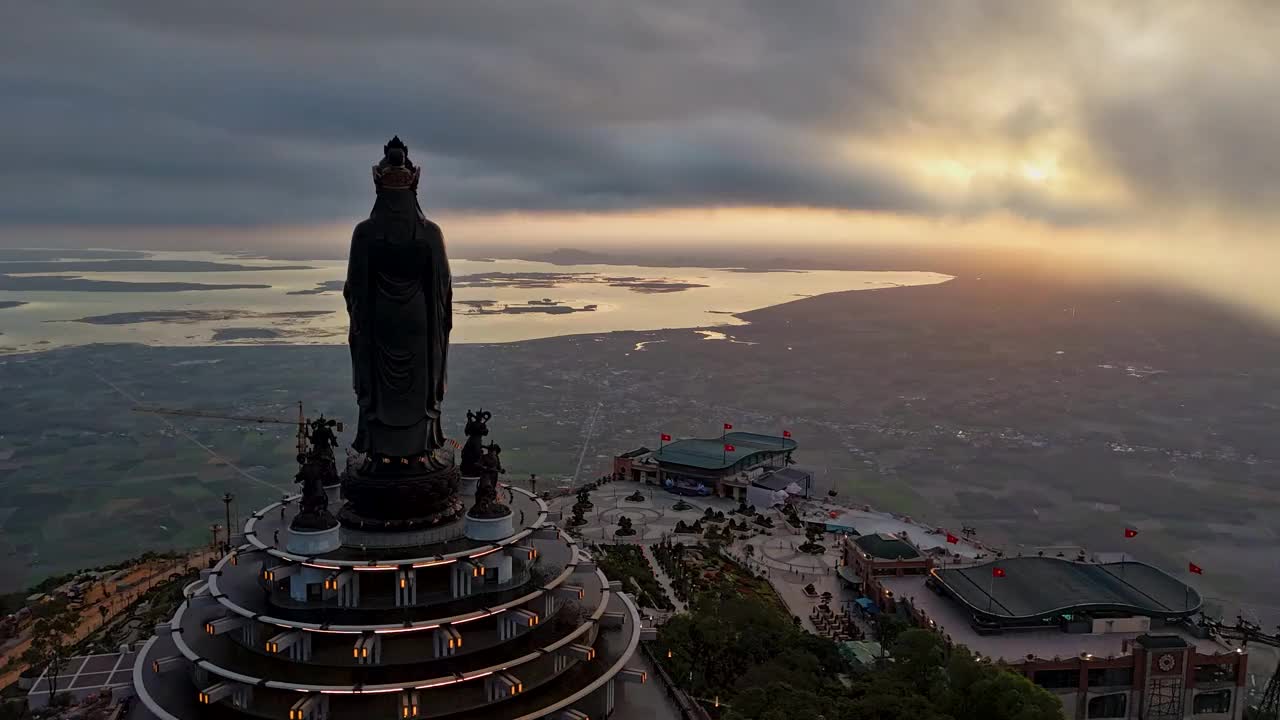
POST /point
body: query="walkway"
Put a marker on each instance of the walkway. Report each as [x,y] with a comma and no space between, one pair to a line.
[663,580]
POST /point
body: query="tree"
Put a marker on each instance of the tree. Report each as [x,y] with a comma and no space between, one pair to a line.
[50,644]
[882,698]
[979,691]
[887,629]
[780,701]
[918,657]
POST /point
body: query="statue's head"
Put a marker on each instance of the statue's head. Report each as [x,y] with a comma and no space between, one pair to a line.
[396,171]
[477,423]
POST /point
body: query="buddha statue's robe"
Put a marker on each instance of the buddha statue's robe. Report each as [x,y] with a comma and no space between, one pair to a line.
[399,296]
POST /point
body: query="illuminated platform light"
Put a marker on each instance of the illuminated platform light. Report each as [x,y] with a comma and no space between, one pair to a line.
[215,693]
[528,618]
[580,651]
[223,625]
[314,706]
[163,665]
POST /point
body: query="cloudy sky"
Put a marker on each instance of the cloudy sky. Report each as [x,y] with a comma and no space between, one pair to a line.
[1130,124]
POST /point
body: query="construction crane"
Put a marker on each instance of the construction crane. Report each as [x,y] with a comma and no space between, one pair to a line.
[1246,632]
[302,422]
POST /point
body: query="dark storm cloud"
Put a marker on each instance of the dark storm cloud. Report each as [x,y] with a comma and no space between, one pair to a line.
[243,113]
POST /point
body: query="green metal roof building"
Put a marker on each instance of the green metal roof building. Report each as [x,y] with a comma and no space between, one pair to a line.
[707,461]
[709,454]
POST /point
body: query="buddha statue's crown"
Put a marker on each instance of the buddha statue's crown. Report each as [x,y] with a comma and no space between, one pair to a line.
[396,171]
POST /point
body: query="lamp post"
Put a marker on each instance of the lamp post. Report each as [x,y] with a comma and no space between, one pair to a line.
[226,501]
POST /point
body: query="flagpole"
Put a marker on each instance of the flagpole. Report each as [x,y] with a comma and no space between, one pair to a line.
[991,588]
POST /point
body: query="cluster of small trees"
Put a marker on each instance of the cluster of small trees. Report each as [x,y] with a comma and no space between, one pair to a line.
[792,515]
[684,528]
[811,544]
[760,665]
[628,563]
[580,508]
[670,557]
[52,641]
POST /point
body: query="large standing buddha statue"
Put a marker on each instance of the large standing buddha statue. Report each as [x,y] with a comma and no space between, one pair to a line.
[399,298]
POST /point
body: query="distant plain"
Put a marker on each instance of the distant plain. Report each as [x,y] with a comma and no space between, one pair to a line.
[1039,407]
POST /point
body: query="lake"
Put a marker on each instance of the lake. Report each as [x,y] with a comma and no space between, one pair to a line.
[494,300]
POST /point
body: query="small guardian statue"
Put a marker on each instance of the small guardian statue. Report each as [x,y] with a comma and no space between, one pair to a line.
[477,428]
[317,470]
[486,503]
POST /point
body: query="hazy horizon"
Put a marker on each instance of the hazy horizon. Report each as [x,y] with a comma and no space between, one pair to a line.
[1135,139]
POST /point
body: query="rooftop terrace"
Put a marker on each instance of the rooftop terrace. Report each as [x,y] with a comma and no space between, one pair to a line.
[1034,588]
[1014,647]
[710,453]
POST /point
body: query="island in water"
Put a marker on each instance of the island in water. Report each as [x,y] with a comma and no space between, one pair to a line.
[72,283]
[552,280]
[195,316]
[545,306]
[328,286]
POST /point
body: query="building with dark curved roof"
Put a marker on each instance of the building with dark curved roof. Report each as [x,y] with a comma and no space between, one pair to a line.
[726,466]
[1110,638]
[1033,591]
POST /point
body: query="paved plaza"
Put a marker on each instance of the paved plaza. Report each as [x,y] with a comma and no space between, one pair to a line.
[772,550]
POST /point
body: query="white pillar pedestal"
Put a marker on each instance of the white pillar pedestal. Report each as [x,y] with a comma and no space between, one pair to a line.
[314,542]
[490,529]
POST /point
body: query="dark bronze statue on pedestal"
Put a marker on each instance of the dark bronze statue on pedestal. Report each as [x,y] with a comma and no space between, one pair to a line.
[399,297]
[317,471]
[473,452]
[486,503]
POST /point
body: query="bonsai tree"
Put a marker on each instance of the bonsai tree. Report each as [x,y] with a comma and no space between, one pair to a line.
[811,544]
[624,527]
[584,498]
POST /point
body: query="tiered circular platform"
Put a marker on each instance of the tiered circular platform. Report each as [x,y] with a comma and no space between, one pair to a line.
[433,624]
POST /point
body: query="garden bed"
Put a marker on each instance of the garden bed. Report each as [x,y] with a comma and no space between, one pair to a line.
[626,563]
